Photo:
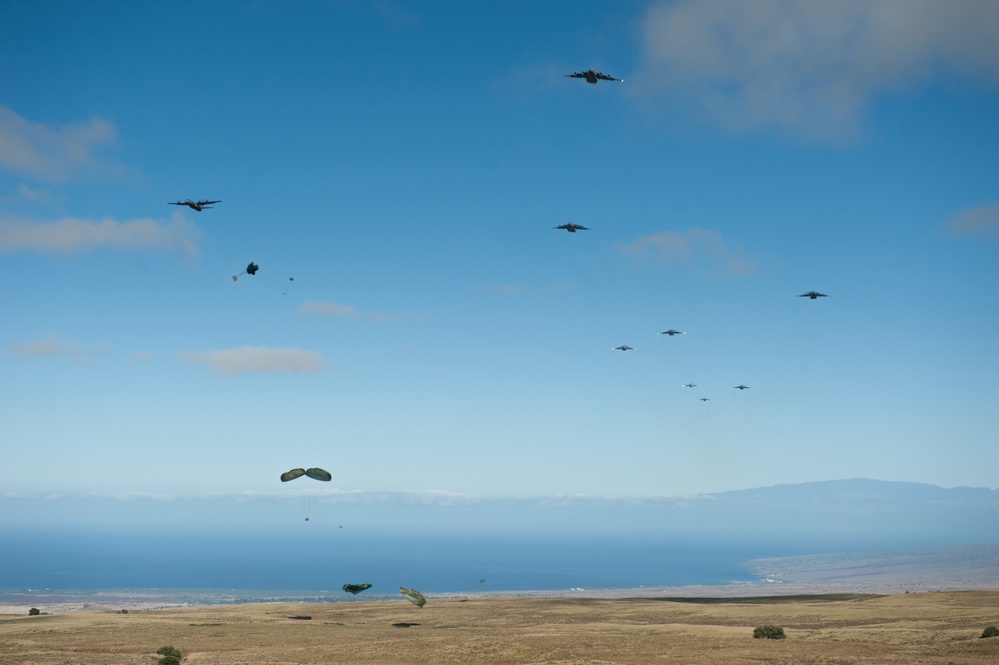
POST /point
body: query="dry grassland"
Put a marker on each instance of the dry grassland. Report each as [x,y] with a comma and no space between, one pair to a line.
[840,629]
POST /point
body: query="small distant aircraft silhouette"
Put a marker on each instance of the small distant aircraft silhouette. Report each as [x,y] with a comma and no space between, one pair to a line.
[813,295]
[592,77]
[672,332]
[203,204]
[690,385]
[741,387]
[624,347]
[571,228]
[705,399]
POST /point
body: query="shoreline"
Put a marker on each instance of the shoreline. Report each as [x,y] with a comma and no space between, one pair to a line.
[60,601]
[963,568]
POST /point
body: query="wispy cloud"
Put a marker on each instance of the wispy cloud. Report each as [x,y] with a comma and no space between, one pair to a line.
[981,222]
[48,345]
[810,68]
[73,235]
[54,152]
[691,248]
[258,359]
[326,308]
[335,495]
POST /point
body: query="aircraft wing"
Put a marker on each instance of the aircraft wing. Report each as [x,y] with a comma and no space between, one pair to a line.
[604,77]
[577,75]
[205,203]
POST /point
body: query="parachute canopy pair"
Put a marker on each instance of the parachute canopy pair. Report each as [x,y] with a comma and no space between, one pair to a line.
[314,473]
[412,595]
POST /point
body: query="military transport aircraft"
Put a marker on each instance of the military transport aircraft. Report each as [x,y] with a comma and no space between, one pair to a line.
[203,204]
[672,332]
[571,228]
[741,387]
[813,295]
[690,385]
[592,77]
[624,347]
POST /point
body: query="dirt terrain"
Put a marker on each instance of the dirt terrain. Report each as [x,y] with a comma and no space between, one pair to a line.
[840,629]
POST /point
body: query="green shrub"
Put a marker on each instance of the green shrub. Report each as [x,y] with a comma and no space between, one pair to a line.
[769,632]
[34,611]
[171,655]
[991,631]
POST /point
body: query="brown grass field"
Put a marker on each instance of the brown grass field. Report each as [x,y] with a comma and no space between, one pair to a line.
[833,629]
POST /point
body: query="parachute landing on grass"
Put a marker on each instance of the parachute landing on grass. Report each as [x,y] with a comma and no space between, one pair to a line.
[356,588]
[414,596]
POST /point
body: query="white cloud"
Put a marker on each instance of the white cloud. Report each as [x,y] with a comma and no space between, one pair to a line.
[72,235]
[54,153]
[808,67]
[258,359]
[326,308]
[692,247]
[48,345]
[982,221]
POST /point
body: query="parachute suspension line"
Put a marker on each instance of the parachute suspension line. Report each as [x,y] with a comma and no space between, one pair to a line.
[313,472]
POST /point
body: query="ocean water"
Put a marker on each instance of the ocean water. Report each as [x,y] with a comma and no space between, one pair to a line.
[323,560]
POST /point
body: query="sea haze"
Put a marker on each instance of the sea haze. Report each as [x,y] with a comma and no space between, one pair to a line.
[319,561]
[448,547]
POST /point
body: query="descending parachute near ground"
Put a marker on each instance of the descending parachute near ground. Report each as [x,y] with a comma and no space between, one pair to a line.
[414,596]
[315,473]
[250,270]
[356,588]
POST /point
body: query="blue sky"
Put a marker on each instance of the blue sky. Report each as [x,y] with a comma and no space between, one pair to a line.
[405,163]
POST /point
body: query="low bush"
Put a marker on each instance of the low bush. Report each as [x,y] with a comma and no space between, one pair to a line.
[769,632]
[171,655]
[34,611]
[991,631]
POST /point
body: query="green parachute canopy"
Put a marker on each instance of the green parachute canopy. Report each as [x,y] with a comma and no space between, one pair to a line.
[414,596]
[356,588]
[318,474]
[315,473]
[250,270]
[291,475]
